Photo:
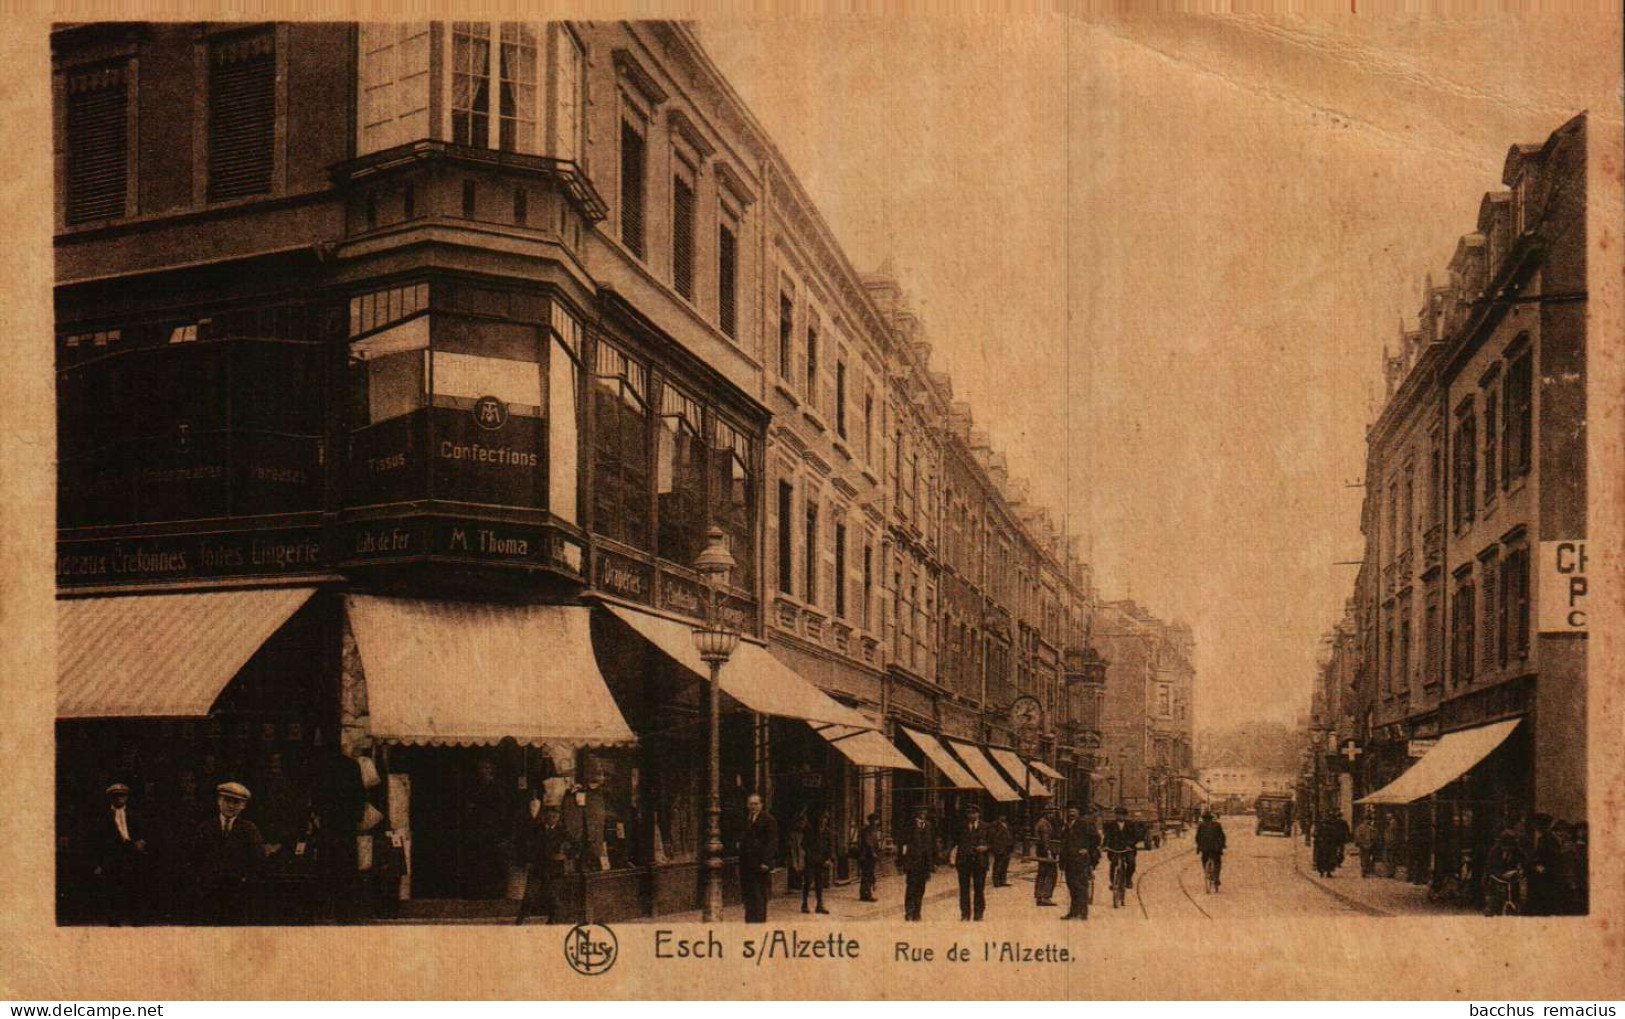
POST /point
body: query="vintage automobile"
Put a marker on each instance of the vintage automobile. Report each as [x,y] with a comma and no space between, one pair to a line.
[1274,815]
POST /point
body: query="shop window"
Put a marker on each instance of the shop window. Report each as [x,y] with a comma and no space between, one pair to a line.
[242,115]
[563,415]
[728,278]
[682,231]
[632,190]
[732,492]
[97,143]
[1517,426]
[620,388]
[786,532]
[680,477]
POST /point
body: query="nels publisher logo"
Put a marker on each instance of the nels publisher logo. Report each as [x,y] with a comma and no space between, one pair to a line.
[490,413]
[590,948]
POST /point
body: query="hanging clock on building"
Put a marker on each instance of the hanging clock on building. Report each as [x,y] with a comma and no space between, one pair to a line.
[1027,718]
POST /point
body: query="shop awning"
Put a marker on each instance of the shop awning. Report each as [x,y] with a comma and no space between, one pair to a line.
[161,655]
[986,774]
[1022,773]
[1452,757]
[472,674]
[1046,770]
[753,677]
[864,747]
[953,773]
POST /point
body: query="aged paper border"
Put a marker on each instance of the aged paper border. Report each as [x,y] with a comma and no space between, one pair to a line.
[1404,958]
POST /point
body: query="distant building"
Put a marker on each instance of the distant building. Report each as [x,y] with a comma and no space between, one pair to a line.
[1149,709]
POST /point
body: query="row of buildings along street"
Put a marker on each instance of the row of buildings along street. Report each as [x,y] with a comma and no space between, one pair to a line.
[405,374]
[1450,712]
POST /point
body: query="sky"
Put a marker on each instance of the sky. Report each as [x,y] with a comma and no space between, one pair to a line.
[1161,256]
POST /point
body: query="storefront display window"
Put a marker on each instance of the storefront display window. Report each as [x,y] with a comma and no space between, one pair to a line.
[620,393]
[680,476]
[733,498]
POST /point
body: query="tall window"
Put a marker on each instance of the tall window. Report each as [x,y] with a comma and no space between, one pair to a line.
[242,115]
[1433,633]
[569,95]
[1394,542]
[680,476]
[1405,644]
[840,570]
[732,466]
[1487,610]
[620,394]
[563,435]
[97,144]
[811,389]
[1514,629]
[787,340]
[1466,466]
[1492,404]
[1462,631]
[868,583]
[682,232]
[1518,426]
[1408,507]
[632,169]
[727,278]
[840,398]
[511,64]
[868,426]
[809,585]
[786,531]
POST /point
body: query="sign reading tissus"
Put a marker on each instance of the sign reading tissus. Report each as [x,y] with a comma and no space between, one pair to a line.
[1562,572]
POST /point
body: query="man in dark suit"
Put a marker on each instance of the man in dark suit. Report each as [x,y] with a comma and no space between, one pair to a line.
[917,857]
[758,845]
[1122,836]
[972,852]
[869,844]
[1080,852]
[120,844]
[226,856]
[547,850]
[1044,836]
[1004,843]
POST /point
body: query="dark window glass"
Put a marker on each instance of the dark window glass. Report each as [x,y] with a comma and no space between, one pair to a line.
[727,281]
[787,313]
[786,530]
[840,398]
[620,448]
[97,144]
[242,115]
[1518,427]
[810,578]
[1491,407]
[840,571]
[632,188]
[682,237]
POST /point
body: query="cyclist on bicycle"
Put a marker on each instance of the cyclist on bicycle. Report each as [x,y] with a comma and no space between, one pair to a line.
[1122,839]
[1210,843]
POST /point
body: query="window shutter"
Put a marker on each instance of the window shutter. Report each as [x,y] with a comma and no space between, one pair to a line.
[242,116]
[1490,619]
[727,280]
[682,239]
[632,188]
[98,144]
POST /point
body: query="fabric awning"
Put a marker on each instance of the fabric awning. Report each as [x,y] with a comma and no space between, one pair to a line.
[1452,757]
[953,773]
[864,747]
[753,677]
[1046,770]
[161,655]
[986,774]
[1021,772]
[471,674]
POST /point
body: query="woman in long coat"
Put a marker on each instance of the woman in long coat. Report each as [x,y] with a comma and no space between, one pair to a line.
[1330,834]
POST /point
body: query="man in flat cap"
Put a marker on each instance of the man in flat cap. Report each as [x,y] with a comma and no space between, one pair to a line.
[546,850]
[226,857]
[121,858]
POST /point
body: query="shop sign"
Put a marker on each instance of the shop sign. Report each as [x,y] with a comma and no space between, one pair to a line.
[1418,747]
[1562,591]
[625,577]
[682,596]
[166,557]
[372,541]
[467,539]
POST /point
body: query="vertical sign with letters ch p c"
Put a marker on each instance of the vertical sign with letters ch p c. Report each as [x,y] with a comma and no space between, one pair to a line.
[1562,572]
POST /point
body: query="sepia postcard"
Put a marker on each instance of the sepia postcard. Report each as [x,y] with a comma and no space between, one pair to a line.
[1059,502]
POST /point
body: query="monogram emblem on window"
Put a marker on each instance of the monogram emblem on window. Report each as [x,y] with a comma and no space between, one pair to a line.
[490,413]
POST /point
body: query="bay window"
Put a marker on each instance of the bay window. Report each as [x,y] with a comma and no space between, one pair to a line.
[680,476]
[732,466]
[620,394]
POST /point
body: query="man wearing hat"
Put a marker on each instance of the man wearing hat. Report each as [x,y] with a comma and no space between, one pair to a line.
[1044,844]
[972,854]
[916,858]
[226,856]
[1122,836]
[1545,869]
[869,845]
[121,858]
[548,849]
[1080,853]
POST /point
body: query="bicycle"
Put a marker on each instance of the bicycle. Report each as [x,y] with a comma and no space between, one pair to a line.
[1119,875]
[1501,895]
[1210,871]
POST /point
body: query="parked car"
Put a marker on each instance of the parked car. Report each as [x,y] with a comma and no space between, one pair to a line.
[1274,815]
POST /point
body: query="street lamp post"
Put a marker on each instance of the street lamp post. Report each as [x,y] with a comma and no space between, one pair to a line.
[716,642]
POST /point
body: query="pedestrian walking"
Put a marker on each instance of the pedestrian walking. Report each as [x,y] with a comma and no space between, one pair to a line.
[757,845]
[972,850]
[226,855]
[916,857]
[1080,853]
[1365,840]
[869,846]
[1210,842]
[1003,843]
[546,849]
[1330,833]
[1044,843]
[820,854]
[122,869]
[1545,870]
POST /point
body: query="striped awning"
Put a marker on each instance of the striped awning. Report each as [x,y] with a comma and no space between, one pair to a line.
[953,773]
[474,673]
[864,747]
[1022,773]
[986,774]
[161,655]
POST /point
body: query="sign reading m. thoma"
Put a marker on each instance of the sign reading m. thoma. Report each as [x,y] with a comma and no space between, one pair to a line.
[167,557]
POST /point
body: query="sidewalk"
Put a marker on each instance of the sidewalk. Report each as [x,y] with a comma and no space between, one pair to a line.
[1374,896]
[843,903]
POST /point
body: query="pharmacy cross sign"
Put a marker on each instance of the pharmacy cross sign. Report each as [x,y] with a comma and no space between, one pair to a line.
[1352,751]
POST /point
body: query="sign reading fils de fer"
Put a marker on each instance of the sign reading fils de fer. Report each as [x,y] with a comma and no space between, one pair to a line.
[1561,570]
